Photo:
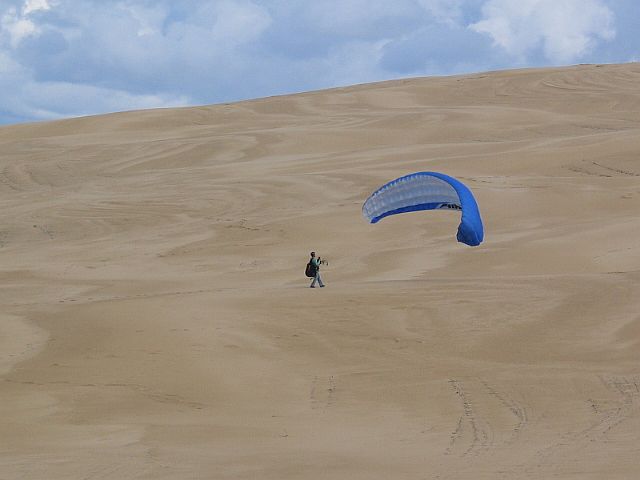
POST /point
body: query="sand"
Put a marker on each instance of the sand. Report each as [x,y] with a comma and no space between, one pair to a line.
[155,321]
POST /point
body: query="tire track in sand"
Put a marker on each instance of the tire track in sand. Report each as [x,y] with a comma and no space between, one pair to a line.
[490,417]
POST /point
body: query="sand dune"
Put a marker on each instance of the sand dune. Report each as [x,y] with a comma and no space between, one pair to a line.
[156,322]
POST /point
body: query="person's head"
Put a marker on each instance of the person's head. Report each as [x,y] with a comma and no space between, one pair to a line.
[313,254]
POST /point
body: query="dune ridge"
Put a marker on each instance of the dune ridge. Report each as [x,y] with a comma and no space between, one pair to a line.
[156,322]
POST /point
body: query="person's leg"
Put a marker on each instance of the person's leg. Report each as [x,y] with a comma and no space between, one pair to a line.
[313,282]
[319,279]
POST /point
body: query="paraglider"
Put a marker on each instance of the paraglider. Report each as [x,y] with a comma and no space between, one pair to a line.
[427,191]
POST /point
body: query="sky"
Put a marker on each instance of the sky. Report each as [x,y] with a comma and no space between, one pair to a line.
[68,58]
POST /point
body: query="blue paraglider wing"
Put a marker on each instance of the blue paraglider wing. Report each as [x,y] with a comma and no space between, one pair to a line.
[427,191]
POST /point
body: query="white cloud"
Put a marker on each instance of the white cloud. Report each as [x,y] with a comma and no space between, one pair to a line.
[89,57]
[347,19]
[565,30]
[8,66]
[445,11]
[35,5]
[17,22]
[148,20]
[238,22]
[16,26]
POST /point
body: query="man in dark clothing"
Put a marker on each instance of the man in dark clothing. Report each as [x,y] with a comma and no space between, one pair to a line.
[316,261]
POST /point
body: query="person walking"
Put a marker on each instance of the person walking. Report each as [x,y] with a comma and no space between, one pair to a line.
[316,261]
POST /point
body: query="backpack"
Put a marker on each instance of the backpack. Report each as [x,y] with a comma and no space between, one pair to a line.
[310,270]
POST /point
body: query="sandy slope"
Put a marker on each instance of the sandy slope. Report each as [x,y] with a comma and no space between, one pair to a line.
[155,322]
